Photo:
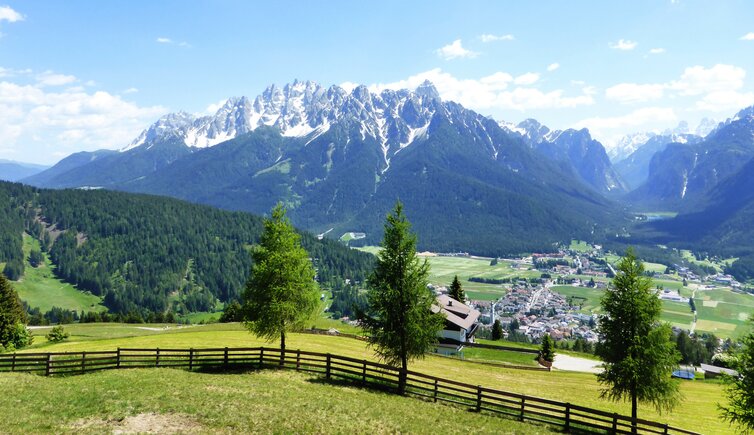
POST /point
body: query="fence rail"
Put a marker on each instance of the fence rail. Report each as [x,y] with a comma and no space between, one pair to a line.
[570,417]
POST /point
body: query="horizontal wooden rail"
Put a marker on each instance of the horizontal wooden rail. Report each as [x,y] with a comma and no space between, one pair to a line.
[359,371]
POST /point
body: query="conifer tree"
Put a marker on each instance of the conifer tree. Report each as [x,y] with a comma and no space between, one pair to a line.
[547,351]
[13,333]
[456,291]
[497,330]
[636,348]
[740,389]
[401,320]
[281,293]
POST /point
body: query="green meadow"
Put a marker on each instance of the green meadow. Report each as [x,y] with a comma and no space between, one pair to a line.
[698,411]
[41,289]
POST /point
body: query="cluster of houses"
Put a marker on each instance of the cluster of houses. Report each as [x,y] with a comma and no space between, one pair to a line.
[537,311]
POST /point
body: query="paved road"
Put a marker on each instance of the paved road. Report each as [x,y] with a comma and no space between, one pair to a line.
[576,364]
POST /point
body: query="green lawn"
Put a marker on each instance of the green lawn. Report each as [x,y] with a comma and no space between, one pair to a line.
[40,288]
[590,297]
[170,401]
[698,411]
[580,246]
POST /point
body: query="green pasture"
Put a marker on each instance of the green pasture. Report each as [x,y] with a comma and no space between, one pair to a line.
[698,411]
[41,289]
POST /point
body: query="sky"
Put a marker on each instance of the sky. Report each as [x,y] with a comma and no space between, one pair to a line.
[85,75]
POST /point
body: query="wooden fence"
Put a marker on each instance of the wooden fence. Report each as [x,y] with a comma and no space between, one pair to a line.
[572,418]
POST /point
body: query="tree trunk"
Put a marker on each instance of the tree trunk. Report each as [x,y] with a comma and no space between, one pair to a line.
[282,347]
[634,428]
[402,375]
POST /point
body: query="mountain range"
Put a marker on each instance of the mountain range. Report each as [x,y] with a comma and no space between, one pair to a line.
[339,160]
[13,171]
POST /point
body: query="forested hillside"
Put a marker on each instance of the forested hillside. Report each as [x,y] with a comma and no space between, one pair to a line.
[147,253]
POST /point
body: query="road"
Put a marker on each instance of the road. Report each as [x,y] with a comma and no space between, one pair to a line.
[576,364]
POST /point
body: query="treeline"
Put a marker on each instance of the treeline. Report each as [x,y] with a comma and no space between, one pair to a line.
[505,280]
[146,254]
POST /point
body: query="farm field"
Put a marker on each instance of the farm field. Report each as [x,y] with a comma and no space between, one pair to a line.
[699,406]
[443,269]
[41,289]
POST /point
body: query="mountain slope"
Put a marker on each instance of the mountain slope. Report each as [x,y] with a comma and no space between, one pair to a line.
[634,169]
[340,160]
[574,151]
[147,253]
[682,176]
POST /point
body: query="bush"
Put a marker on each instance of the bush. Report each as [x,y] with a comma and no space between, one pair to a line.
[57,334]
[17,337]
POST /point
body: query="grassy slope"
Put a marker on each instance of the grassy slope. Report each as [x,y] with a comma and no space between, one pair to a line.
[252,402]
[40,288]
[698,411]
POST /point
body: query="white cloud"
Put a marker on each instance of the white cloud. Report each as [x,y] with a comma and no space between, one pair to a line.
[492,38]
[455,50]
[610,129]
[720,101]
[49,78]
[164,40]
[553,66]
[634,93]
[658,50]
[623,44]
[697,80]
[131,91]
[526,79]
[214,107]
[717,89]
[40,123]
[9,15]
[495,91]
[748,37]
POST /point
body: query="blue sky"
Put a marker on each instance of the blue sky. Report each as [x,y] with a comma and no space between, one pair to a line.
[83,75]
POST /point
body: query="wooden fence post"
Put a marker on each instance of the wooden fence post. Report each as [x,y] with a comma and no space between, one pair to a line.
[48,368]
[615,422]
[261,357]
[191,359]
[364,373]
[298,358]
[567,417]
[666,429]
[13,364]
[157,358]
[478,398]
[83,362]
[225,360]
[523,407]
[327,367]
[435,396]
[118,359]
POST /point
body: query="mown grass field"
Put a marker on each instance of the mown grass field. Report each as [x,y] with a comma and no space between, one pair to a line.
[177,401]
[698,411]
[443,269]
[722,311]
[41,289]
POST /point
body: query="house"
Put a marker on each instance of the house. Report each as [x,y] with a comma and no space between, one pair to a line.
[461,322]
[715,371]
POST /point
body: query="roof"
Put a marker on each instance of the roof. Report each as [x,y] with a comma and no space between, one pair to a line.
[456,312]
[718,370]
